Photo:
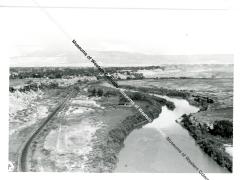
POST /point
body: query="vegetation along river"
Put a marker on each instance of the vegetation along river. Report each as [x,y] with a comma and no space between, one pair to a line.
[146,150]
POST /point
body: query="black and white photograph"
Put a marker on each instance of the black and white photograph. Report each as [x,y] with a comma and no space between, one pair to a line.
[124,87]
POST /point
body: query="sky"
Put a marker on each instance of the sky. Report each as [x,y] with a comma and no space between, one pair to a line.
[146,28]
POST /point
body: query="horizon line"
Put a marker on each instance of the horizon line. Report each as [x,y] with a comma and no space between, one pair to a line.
[120,66]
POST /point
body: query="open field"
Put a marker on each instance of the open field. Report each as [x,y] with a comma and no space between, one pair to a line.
[220,88]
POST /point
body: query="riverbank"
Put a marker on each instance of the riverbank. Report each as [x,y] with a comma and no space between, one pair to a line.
[118,125]
[200,124]
[147,151]
[211,144]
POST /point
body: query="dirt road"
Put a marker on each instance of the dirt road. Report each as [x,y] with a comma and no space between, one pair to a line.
[22,159]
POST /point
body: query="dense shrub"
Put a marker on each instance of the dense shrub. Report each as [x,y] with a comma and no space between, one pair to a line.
[209,144]
[92,91]
[222,128]
[137,96]
[99,92]
[11,89]
[102,91]
[110,93]
[212,148]
[122,100]
[161,91]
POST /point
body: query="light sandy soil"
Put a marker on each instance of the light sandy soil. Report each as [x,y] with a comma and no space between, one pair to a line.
[68,144]
[24,109]
[77,136]
[26,112]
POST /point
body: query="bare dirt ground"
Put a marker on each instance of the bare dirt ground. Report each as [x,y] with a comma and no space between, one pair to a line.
[74,139]
[29,117]
[78,136]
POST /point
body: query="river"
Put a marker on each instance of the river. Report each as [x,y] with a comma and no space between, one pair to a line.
[146,150]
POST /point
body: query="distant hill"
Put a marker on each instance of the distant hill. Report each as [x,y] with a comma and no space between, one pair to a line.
[113,58]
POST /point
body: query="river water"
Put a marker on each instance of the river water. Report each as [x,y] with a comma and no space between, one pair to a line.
[146,150]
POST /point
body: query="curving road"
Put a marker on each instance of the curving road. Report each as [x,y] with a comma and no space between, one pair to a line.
[22,159]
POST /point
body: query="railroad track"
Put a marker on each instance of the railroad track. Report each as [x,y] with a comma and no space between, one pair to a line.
[22,159]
